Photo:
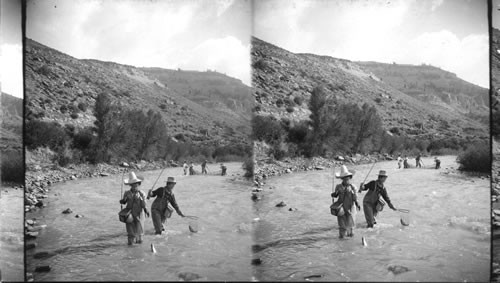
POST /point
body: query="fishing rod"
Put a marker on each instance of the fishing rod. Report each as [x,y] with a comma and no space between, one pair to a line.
[359,191]
[156,180]
[121,187]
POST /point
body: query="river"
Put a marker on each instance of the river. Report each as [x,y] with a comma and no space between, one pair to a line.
[11,234]
[448,238]
[95,247]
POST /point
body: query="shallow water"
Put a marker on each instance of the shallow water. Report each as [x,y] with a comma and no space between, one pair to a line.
[448,238]
[95,247]
[11,235]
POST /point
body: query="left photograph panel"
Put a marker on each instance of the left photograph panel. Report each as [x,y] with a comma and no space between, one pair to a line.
[11,143]
[137,125]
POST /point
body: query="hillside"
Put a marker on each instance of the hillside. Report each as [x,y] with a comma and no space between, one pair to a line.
[433,85]
[206,107]
[11,115]
[284,80]
[495,69]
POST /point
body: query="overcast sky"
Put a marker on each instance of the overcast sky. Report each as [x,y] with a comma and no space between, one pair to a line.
[450,34]
[495,11]
[187,34]
[11,58]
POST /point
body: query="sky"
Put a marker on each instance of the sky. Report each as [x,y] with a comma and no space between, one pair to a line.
[495,14]
[450,34]
[11,51]
[188,34]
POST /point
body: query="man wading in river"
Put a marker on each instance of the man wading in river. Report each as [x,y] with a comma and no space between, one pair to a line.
[136,202]
[159,209]
[371,204]
[347,198]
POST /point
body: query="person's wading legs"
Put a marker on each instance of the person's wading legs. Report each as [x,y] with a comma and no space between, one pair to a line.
[130,232]
[369,214]
[157,216]
[342,224]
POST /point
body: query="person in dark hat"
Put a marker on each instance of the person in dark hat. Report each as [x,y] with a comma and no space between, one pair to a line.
[136,202]
[159,209]
[347,198]
[371,204]
[204,167]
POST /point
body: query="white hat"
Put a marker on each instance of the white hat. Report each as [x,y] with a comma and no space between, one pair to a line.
[171,180]
[132,179]
[344,172]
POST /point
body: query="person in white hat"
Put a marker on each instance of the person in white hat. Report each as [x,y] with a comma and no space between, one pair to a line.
[136,202]
[347,198]
[371,205]
[159,209]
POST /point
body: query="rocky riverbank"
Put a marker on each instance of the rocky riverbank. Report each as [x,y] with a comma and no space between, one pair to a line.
[267,168]
[38,179]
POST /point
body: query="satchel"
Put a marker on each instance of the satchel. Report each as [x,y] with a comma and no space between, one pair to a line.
[125,215]
[380,205]
[168,212]
[337,209]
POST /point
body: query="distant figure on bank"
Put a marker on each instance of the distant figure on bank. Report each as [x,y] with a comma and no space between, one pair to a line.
[371,205]
[438,162]
[160,210]
[347,198]
[405,163]
[400,161]
[191,169]
[223,169]
[417,161]
[185,167]
[136,202]
[204,167]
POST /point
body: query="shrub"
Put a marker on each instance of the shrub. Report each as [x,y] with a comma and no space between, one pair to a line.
[40,134]
[378,100]
[267,128]
[74,115]
[63,109]
[260,64]
[298,100]
[279,102]
[290,109]
[476,158]
[248,167]
[12,166]
[82,106]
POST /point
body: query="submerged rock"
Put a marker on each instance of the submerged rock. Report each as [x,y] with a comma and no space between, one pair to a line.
[189,276]
[398,269]
[256,261]
[67,211]
[42,268]
[281,204]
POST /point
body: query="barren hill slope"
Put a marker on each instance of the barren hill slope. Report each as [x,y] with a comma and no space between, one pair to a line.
[58,85]
[284,81]
[11,115]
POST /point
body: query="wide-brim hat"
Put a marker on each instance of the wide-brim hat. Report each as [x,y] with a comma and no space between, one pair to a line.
[132,179]
[382,173]
[344,172]
[171,180]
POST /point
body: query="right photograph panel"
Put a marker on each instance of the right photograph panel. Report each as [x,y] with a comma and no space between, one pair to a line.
[371,140]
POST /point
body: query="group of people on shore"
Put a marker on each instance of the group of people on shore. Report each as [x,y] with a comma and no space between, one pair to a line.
[418,162]
[347,201]
[136,207]
[189,169]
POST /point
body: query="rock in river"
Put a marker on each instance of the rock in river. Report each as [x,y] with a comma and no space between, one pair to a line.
[189,276]
[281,204]
[67,211]
[398,269]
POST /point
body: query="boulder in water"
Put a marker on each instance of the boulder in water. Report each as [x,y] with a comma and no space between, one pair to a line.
[42,268]
[67,211]
[256,261]
[281,204]
[31,235]
[78,216]
[398,269]
[30,246]
[189,276]
[193,229]
[41,255]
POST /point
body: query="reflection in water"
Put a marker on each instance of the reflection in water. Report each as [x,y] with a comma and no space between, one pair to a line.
[94,247]
[448,238]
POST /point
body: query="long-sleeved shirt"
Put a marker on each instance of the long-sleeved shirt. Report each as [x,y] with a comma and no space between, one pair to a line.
[135,200]
[163,197]
[347,195]
[376,189]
